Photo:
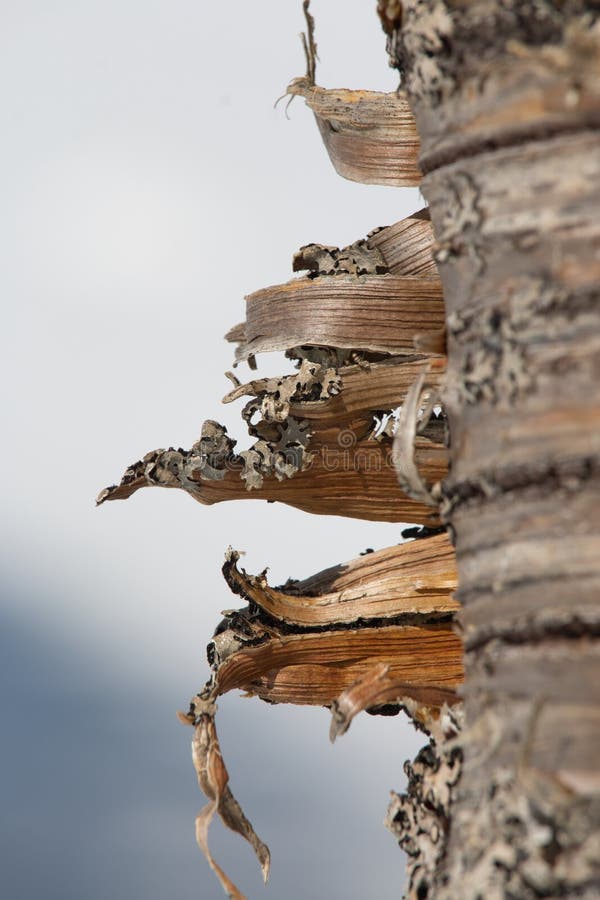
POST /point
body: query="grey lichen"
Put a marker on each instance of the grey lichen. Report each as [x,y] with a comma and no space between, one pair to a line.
[420,818]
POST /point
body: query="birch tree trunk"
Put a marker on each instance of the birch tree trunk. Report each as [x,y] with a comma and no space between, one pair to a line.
[507,102]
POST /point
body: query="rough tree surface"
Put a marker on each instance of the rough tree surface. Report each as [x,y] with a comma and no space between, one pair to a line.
[507,102]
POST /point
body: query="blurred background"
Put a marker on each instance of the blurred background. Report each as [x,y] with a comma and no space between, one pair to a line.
[148,184]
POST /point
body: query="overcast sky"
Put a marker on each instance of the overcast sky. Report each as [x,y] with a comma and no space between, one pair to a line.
[148,185]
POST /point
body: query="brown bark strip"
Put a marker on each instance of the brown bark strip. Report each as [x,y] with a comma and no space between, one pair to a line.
[311,641]
[407,245]
[370,137]
[347,473]
[344,393]
[378,690]
[410,580]
[381,636]
[313,668]
[377,313]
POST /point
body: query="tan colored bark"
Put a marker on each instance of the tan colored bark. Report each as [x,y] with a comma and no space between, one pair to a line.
[320,444]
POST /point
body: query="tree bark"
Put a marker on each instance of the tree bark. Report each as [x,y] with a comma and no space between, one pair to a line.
[507,102]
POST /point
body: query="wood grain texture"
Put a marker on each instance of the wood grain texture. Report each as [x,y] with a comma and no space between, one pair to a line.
[406,581]
[373,312]
[370,137]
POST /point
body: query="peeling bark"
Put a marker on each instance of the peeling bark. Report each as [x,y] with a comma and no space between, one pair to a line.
[362,327]
[370,137]
[322,436]
[375,634]
[309,640]
[374,313]
[410,581]
[213,780]
[378,689]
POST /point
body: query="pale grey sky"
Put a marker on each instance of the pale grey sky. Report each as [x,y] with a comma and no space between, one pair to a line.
[147,185]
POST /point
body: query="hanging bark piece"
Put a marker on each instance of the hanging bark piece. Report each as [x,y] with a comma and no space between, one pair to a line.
[378,690]
[274,650]
[213,780]
[407,581]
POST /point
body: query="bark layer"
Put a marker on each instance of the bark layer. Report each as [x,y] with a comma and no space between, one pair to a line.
[507,102]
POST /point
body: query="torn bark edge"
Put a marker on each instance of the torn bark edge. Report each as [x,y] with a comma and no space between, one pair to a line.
[213,780]
[377,689]
[409,425]
[409,583]
[420,818]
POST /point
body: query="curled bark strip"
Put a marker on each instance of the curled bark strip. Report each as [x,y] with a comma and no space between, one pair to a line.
[409,476]
[346,474]
[410,581]
[380,386]
[357,652]
[370,137]
[377,689]
[213,780]
[407,246]
[314,667]
[404,248]
[377,313]
[317,391]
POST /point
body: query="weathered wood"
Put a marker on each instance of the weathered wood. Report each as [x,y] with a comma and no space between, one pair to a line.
[405,582]
[343,473]
[507,102]
[324,432]
[378,313]
[370,137]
